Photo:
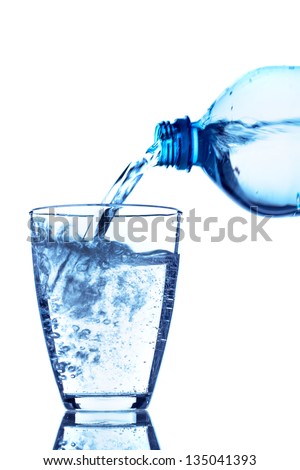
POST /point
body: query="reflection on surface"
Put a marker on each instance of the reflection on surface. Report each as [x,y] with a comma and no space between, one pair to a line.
[111,430]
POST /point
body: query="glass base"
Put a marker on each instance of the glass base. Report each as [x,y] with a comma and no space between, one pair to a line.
[106,402]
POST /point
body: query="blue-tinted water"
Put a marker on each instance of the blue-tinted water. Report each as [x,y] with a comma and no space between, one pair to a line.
[105,312]
[257,164]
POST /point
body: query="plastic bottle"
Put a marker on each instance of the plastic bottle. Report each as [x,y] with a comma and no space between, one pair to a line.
[248,142]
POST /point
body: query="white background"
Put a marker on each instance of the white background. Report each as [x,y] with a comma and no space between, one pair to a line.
[82,87]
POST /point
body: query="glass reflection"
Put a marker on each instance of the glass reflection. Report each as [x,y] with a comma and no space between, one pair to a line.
[111,430]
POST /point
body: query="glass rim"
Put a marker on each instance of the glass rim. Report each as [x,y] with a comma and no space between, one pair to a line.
[144,206]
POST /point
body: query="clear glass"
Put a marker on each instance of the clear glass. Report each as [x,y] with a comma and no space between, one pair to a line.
[105,300]
[110,430]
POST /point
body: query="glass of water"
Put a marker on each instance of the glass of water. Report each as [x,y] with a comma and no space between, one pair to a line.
[105,280]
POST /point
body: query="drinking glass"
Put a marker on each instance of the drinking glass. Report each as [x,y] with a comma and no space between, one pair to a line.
[105,280]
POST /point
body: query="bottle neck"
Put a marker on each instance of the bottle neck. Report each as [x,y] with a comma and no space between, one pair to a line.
[176,140]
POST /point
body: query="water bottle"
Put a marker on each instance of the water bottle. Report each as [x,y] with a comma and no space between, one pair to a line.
[248,142]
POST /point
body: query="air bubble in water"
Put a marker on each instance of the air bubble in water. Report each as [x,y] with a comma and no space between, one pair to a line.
[84,334]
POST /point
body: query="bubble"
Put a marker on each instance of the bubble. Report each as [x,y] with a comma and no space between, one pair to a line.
[55,335]
[84,334]
[61,367]
[96,359]
[82,355]
[55,306]
[106,321]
